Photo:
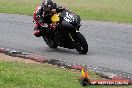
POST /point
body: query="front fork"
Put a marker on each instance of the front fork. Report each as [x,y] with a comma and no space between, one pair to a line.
[73,39]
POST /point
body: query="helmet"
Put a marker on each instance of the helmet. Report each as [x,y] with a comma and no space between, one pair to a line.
[47,5]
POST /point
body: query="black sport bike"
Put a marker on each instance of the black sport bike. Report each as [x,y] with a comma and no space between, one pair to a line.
[67,33]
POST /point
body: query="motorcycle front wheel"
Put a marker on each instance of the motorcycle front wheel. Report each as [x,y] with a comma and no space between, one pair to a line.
[80,43]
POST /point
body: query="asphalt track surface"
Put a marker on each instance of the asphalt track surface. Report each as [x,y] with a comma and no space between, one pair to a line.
[110,44]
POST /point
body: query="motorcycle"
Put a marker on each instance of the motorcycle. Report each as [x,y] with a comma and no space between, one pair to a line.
[66,32]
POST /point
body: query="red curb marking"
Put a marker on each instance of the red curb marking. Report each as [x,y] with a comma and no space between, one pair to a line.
[76,67]
[36,58]
[117,77]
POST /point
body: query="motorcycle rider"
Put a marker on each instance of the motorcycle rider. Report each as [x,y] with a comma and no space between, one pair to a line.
[42,17]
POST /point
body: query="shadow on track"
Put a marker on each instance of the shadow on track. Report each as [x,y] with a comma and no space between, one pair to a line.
[63,51]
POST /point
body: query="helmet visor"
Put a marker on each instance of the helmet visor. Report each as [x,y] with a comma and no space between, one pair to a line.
[47,7]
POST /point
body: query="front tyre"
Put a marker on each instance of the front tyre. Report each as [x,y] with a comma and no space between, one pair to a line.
[80,43]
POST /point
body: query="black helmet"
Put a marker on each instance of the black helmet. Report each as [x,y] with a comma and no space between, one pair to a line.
[47,5]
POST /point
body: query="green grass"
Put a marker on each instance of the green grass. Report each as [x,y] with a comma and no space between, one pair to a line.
[112,10]
[25,7]
[108,10]
[22,75]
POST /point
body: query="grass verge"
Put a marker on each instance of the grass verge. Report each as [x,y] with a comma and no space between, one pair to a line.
[22,75]
[108,10]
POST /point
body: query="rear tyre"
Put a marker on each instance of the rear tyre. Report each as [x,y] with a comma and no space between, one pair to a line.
[50,43]
[81,44]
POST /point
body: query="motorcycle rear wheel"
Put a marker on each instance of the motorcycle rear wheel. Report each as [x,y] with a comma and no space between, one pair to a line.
[50,43]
